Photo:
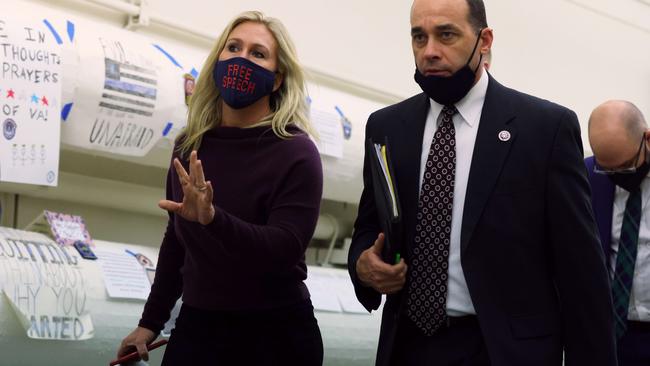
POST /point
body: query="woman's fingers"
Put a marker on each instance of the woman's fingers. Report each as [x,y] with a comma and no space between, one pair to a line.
[142,351]
[209,193]
[169,205]
[197,192]
[199,178]
[183,177]
[193,158]
[196,177]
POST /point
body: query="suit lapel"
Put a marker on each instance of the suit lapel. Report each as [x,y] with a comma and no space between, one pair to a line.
[409,150]
[490,152]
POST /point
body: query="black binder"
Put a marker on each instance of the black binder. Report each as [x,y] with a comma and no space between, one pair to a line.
[386,199]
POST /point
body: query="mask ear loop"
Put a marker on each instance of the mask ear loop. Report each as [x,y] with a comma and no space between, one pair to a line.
[645,150]
[478,38]
[480,59]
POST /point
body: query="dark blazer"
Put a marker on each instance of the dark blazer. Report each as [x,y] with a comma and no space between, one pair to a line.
[529,244]
[602,200]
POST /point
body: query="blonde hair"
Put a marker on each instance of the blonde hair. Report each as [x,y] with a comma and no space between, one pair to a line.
[288,103]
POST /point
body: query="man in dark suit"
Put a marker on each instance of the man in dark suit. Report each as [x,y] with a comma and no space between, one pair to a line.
[502,263]
[618,173]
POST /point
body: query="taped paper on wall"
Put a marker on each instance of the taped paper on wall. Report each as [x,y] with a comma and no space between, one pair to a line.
[30,95]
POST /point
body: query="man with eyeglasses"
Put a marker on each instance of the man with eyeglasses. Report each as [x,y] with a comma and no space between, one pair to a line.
[618,173]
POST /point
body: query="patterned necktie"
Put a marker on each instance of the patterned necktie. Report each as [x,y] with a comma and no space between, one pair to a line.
[625,260]
[428,272]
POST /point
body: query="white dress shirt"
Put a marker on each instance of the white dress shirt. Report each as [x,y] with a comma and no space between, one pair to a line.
[466,123]
[639,309]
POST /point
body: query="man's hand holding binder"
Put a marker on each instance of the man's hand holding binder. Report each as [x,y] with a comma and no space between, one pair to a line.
[374,272]
[380,266]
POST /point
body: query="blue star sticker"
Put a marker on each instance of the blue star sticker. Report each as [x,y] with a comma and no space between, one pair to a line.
[35,99]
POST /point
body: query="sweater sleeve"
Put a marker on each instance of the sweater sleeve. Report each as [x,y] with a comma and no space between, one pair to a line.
[168,282]
[280,244]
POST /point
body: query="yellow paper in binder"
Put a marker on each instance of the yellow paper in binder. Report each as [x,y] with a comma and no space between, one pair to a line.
[389,180]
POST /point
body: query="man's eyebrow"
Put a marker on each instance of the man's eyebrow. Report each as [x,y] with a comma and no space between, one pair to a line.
[439,28]
[446,27]
[416,30]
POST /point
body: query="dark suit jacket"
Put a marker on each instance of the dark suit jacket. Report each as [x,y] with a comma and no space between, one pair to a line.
[602,200]
[529,244]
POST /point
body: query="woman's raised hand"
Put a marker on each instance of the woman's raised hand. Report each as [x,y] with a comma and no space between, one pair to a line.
[197,193]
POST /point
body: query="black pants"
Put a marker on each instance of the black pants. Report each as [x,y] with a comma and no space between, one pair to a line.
[285,336]
[459,344]
[634,346]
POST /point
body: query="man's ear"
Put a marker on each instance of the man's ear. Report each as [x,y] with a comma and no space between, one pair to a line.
[279,78]
[487,36]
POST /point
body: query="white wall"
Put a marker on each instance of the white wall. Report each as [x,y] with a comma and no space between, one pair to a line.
[557,49]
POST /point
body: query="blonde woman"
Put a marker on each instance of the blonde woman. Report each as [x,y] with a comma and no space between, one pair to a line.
[243,196]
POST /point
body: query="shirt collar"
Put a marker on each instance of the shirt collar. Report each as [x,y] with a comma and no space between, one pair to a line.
[471,105]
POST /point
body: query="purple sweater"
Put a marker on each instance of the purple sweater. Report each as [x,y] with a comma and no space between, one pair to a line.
[267,193]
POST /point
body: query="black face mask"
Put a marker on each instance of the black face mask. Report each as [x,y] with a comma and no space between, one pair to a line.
[447,90]
[632,181]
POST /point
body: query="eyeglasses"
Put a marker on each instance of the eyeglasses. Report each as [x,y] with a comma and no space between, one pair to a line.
[629,170]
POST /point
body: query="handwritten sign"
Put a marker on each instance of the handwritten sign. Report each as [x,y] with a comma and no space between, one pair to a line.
[45,286]
[63,228]
[30,93]
[126,93]
[69,230]
[66,229]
